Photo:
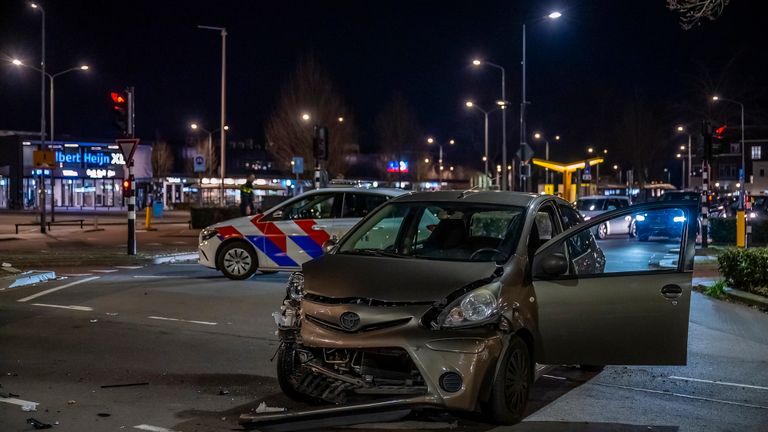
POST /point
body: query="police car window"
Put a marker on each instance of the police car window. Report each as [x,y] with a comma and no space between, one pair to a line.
[312,207]
[358,205]
[612,205]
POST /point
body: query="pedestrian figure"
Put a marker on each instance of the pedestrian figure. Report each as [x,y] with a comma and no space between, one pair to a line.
[246,196]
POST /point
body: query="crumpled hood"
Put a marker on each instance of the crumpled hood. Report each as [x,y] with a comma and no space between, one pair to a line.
[390,279]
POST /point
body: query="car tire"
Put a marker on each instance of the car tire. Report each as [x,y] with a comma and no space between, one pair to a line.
[591,368]
[602,231]
[512,384]
[287,360]
[237,260]
[632,230]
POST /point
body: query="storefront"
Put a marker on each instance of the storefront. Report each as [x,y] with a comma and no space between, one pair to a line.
[88,175]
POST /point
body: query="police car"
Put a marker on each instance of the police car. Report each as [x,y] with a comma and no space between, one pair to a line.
[288,235]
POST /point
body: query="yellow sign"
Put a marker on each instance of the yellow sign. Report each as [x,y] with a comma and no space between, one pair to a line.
[549,189]
[44,158]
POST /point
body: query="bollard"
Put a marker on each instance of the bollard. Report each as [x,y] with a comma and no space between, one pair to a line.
[741,229]
[148,218]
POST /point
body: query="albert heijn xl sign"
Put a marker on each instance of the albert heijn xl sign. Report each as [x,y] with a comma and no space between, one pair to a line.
[85,157]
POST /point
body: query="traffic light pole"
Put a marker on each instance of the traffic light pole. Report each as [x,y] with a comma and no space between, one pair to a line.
[705,204]
[132,196]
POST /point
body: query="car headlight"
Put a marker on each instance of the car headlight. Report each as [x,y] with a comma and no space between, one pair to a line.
[475,307]
[295,287]
[678,219]
[208,233]
[640,218]
[752,215]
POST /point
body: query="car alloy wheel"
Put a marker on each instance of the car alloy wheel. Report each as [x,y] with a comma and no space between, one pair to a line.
[237,261]
[512,383]
[517,380]
[602,231]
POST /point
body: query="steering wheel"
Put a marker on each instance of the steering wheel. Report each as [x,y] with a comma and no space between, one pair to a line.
[481,250]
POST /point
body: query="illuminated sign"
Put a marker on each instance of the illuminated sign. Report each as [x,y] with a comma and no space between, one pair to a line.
[395,166]
[99,173]
[69,173]
[90,158]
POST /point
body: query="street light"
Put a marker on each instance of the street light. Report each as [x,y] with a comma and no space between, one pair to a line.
[503,105]
[43,192]
[523,101]
[470,104]
[305,117]
[431,140]
[222,126]
[681,129]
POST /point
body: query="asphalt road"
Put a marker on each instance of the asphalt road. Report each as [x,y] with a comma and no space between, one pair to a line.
[192,352]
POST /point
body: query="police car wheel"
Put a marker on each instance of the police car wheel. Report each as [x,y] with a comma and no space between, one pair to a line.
[237,260]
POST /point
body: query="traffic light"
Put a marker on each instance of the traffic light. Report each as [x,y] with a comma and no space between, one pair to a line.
[706,133]
[320,143]
[127,188]
[120,110]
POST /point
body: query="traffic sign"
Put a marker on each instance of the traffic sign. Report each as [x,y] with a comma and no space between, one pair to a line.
[586,175]
[297,165]
[525,153]
[128,148]
[199,163]
[44,158]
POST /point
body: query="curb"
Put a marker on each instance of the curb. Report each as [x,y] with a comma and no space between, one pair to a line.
[30,278]
[163,259]
[747,297]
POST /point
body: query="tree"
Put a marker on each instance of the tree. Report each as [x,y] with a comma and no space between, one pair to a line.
[692,11]
[162,159]
[309,90]
[398,135]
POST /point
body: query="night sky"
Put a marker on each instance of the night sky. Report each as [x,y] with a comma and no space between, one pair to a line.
[371,49]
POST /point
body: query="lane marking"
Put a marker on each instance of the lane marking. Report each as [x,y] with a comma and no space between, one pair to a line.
[684,396]
[78,308]
[104,271]
[42,293]
[555,377]
[77,274]
[129,267]
[20,402]
[182,320]
[151,428]
[726,383]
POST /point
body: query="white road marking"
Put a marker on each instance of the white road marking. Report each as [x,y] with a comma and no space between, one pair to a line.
[182,320]
[151,428]
[77,274]
[104,271]
[726,383]
[555,377]
[78,308]
[684,396]
[42,293]
[20,402]
[129,267]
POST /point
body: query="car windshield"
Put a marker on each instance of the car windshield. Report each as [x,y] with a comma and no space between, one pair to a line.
[590,204]
[438,230]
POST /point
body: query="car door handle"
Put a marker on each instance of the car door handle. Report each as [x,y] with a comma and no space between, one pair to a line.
[319,227]
[671,291]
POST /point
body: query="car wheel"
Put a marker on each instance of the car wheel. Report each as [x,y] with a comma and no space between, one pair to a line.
[632,230]
[237,260]
[602,231]
[512,385]
[287,362]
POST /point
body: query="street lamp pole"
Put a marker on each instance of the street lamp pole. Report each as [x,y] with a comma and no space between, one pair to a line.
[222,136]
[471,104]
[42,190]
[503,104]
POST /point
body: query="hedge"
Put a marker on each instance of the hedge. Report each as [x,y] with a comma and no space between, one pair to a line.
[723,230]
[745,269]
[204,216]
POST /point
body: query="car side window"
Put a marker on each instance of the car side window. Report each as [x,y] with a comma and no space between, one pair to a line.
[569,216]
[358,205]
[317,206]
[543,228]
[612,204]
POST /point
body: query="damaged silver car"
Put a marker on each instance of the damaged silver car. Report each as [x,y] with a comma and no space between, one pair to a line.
[452,299]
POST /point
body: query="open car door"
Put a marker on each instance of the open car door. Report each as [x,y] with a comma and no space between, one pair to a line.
[617,300]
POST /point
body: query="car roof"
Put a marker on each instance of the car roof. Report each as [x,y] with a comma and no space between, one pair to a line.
[604,197]
[520,199]
[393,192]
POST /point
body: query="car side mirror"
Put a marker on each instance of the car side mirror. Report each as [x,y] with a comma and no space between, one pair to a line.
[554,264]
[329,244]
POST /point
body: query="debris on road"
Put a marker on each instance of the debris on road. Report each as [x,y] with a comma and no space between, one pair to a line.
[71,402]
[223,392]
[37,424]
[94,320]
[8,395]
[28,408]
[263,408]
[125,385]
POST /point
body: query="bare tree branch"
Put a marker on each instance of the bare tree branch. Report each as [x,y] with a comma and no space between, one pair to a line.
[693,11]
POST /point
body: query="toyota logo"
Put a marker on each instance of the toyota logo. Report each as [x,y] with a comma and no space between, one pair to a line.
[349,320]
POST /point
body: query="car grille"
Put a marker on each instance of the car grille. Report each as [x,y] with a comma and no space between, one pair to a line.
[365,328]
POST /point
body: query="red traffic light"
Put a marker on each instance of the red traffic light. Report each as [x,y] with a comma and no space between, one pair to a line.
[126,184]
[719,132]
[117,98]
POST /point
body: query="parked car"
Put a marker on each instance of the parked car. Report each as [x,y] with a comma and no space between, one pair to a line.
[451,299]
[288,235]
[593,205]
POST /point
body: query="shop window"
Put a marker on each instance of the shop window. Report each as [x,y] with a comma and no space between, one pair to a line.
[757,152]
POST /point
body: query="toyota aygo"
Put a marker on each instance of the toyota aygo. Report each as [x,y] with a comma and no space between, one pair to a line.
[457,299]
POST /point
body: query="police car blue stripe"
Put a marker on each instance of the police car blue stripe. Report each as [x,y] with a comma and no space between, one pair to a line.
[274,253]
[308,245]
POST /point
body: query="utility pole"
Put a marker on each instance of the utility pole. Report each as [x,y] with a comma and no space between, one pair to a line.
[222,126]
[132,198]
